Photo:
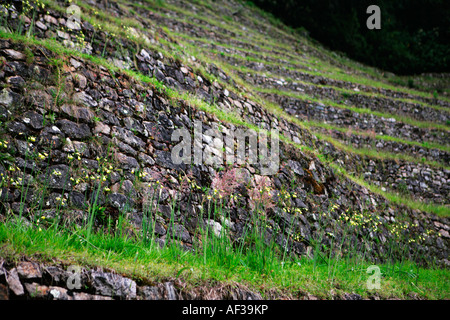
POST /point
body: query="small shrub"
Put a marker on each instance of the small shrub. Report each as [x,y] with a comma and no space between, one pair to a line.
[224,186]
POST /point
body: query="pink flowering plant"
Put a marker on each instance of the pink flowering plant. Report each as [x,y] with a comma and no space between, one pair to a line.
[224,186]
[261,194]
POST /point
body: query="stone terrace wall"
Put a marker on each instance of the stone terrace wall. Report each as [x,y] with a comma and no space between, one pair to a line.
[103,123]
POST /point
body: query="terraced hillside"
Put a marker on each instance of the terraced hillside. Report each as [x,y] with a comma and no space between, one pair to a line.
[89,108]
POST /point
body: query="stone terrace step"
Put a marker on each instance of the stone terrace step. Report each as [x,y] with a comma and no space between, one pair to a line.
[385,105]
[344,117]
[366,141]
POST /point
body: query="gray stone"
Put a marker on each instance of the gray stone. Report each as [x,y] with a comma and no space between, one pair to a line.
[145,55]
[16,82]
[128,188]
[74,130]
[351,296]
[159,75]
[82,148]
[75,63]
[146,159]
[157,193]
[180,232]
[63,35]
[164,159]
[68,146]
[171,82]
[440,243]
[54,275]
[18,208]
[40,99]
[17,128]
[57,177]
[119,201]
[123,147]
[444,233]
[126,162]
[87,26]
[84,99]
[13,54]
[73,24]
[86,296]
[41,25]
[77,199]
[184,70]
[58,293]
[6,97]
[170,293]
[37,291]
[91,164]
[34,119]
[13,281]
[78,113]
[159,132]
[29,270]
[50,19]
[113,285]
[216,227]
[150,293]
[79,80]
[100,127]
[299,203]
[296,167]
[128,137]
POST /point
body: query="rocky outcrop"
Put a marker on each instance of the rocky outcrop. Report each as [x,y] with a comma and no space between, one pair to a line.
[30,280]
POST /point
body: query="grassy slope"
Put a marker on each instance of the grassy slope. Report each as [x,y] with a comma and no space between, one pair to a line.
[324,278]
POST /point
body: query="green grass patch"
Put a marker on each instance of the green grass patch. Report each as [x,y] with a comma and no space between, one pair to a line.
[219,262]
